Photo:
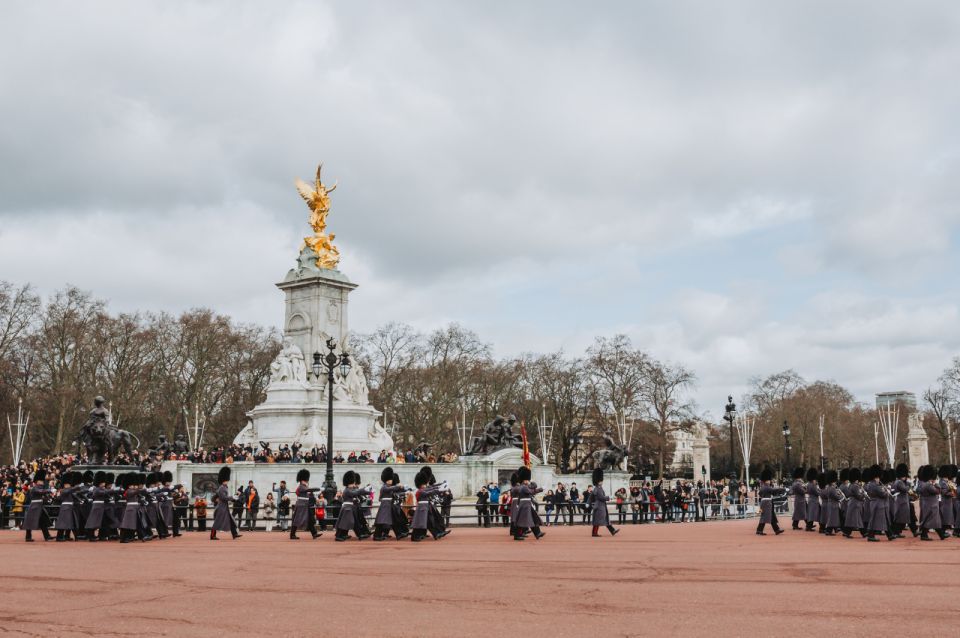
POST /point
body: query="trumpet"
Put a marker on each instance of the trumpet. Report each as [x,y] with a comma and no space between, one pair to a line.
[952,489]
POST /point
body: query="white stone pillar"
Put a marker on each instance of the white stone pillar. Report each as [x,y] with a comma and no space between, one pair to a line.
[701,453]
[917,450]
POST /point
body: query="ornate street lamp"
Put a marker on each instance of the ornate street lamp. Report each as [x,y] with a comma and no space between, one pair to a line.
[786,444]
[330,362]
[730,415]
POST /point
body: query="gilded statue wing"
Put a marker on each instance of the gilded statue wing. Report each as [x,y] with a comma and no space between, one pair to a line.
[305,191]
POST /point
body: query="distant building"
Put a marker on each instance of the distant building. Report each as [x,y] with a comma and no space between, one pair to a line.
[908,399]
[683,452]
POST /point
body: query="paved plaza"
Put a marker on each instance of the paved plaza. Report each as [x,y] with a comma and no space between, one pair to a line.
[715,579]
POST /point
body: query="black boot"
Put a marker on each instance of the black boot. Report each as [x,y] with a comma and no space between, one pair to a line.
[613,531]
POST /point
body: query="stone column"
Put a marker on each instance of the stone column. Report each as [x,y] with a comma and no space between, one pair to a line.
[917,450]
[701,453]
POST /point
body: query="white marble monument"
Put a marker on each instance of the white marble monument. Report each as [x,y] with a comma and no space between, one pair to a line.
[917,450]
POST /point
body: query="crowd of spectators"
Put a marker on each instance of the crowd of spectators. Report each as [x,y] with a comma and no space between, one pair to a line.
[295,453]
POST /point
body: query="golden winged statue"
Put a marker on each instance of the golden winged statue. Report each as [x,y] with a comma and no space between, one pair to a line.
[318,201]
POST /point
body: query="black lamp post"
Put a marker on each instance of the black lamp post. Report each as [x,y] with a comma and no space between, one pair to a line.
[330,362]
[730,415]
[786,445]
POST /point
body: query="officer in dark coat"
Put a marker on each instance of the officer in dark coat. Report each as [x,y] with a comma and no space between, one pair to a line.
[902,506]
[305,507]
[844,488]
[222,519]
[66,518]
[385,514]
[929,492]
[856,498]
[349,510]
[766,494]
[435,521]
[799,493]
[813,499]
[878,499]
[599,505]
[36,517]
[526,518]
[83,501]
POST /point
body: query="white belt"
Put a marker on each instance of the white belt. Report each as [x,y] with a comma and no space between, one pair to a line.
[65,504]
[767,498]
[346,505]
[303,498]
[95,502]
[133,504]
[523,499]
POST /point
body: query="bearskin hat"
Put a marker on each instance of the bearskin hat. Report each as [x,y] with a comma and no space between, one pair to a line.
[954,471]
[903,471]
[821,479]
[99,477]
[109,478]
[223,474]
[812,474]
[303,475]
[798,472]
[889,475]
[944,471]
[766,474]
[167,476]
[427,472]
[143,478]
[386,474]
[867,474]
[928,473]
[419,480]
[348,478]
[88,476]
[830,476]
[597,476]
[854,474]
[513,479]
[524,474]
[40,475]
[844,474]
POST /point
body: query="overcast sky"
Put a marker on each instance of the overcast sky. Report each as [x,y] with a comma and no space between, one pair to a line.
[740,187]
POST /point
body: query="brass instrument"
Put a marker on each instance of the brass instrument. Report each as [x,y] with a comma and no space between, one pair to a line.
[952,489]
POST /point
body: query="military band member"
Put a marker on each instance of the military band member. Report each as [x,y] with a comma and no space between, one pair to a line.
[83,501]
[878,508]
[799,493]
[833,497]
[385,512]
[813,499]
[766,494]
[902,506]
[844,488]
[36,517]
[421,517]
[948,492]
[856,498]
[66,518]
[222,519]
[305,507]
[436,522]
[929,492]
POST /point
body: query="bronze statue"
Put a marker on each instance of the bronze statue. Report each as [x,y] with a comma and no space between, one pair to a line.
[101,438]
[496,435]
[610,457]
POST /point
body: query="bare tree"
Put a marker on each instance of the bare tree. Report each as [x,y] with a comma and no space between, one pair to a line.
[663,400]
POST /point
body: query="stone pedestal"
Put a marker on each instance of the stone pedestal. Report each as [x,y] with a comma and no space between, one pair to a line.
[917,450]
[296,407]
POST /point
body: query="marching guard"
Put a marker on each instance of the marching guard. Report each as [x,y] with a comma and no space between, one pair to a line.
[878,504]
[423,521]
[66,517]
[799,493]
[222,518]
[96,519]
[948,493]
[36,517]
[347,520]
[929,492]
[304,509]
[856,497]
[386,516]
[833,498]
[526,518]
[598,503]
[767,493]
[813,499]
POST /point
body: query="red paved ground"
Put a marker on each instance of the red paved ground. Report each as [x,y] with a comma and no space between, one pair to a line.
[714,579]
